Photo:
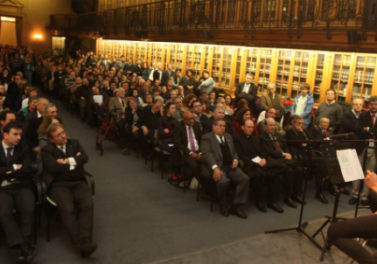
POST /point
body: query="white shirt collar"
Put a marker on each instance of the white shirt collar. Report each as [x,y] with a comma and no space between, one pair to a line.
[39,115]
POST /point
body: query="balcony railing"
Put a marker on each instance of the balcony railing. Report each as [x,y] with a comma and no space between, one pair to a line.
[225,14]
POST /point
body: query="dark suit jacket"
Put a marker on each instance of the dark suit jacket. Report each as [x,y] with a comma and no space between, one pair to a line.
[180,137]
[21,155]
[295,139]
[13,97]
[211,150]
[249,147]
[56,172]
[149,119]
[156,75]
[317,133]
[30,129]
[166,76]
[250,96]
[365,120]
[270,148]
[350,124]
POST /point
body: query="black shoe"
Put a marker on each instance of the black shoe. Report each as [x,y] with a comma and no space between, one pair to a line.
[321,197]
[290,203]
[297,199]
[352,201]
[236,210]
[28,253]
[224,210]
[276,207]
[261,207]
[87,249]
[364,203]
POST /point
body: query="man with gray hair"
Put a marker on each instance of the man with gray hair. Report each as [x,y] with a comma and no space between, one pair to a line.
[219,113]
[50,110]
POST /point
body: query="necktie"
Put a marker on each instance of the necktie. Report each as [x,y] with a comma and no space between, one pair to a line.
[9,155]
[222,140]
[191,138]
[276,144]
[373,115]
[325,132]
[121,100]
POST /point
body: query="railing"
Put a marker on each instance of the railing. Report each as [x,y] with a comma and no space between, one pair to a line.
[225,14]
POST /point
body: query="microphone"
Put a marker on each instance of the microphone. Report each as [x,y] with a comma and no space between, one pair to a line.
[344,135]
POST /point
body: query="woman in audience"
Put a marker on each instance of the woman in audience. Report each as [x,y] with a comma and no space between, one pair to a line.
[240,117]
[168,123]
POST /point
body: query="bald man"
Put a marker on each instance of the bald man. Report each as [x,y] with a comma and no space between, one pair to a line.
[187,136]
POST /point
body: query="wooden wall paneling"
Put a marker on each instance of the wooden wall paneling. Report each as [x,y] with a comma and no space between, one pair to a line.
[168,55]
[184,57]
[351,77]
[221,62]
[311,69]
[291,73]
[134,52]
[274,65]
[374,86]
[203,54]
[210,60]
[226,11]
[242,72]
[257,70]
[327,75]
[233,69]
[149,47]
[163,48]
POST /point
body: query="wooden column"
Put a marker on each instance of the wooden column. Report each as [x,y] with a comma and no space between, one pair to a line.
[210,59]
[351,78]
[243,52]
[232,77]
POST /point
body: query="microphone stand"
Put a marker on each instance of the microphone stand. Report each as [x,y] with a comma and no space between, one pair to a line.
[300,225]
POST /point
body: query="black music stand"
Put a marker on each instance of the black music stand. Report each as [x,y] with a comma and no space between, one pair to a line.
[328,151]
[300,225]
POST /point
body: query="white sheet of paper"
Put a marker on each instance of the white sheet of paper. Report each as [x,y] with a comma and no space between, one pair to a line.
[256,159]
[349,165]
[98,99]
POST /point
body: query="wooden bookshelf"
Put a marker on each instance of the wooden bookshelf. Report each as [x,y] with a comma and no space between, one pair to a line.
[350,74]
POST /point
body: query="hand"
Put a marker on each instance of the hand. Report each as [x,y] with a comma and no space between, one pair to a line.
[371,180]
[235,164]
[37,149]
[60,161]
[304,145]
[145,130]
[82,98]
[135,129]
[166,130]
[78,154]
[287,156]
[199,156]
[194,155]
[217,174]
[263,162]
[366,129]
[19,166]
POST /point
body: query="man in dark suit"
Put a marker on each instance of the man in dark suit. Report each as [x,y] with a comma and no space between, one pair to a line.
[187,137]
[13,96]
[298,141]
[32,123]
[157,73]
[63,163]
[167,74]
[16,193]
[202,119]
[248,91]
[219,113]
[350,120]
[263,171]
[221,165]
[367,129]
[277,150]
[323,129]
